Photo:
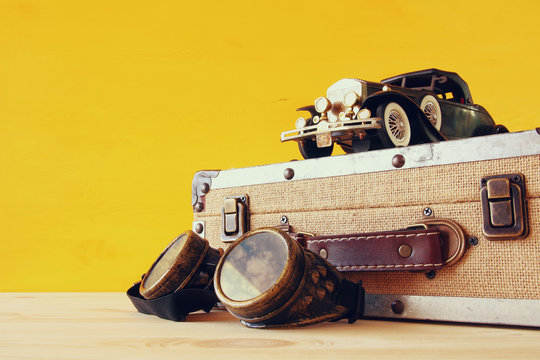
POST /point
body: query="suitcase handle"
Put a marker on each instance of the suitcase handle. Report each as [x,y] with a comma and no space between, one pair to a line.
[429,244]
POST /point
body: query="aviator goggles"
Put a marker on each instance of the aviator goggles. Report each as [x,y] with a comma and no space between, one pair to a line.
[265,279]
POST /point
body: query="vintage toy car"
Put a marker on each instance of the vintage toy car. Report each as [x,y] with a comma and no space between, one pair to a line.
[417,107]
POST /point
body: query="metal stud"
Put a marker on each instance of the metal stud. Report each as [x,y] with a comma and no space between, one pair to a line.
[397,307]
[199,228]
[288,173]
[199,207]
[315,276]
[322,270]
[323,253]
[398,161]
[329,286]
[205,188]
[405,251]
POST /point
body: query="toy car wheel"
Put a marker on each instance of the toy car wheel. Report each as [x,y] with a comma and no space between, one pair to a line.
[396,129]
[309,149]
[430,106]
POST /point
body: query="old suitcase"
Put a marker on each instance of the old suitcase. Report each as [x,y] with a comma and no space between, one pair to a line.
[482,192]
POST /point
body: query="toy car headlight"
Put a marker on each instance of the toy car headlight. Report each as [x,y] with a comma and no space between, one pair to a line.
[322,104]
[300,123]
[363,114]
[350,98]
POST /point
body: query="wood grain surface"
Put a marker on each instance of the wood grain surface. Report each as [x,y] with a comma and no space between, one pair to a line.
[106,326]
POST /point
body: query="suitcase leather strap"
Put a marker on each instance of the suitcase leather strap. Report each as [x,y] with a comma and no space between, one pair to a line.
[402,250]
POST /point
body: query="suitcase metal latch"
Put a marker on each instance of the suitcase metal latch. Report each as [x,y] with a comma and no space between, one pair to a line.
[234,218]
[504,207]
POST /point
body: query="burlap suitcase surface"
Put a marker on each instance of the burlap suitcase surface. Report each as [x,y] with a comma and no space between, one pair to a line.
[495,282]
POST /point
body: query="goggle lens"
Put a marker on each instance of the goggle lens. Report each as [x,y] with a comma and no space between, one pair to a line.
[163,265]
[253,266]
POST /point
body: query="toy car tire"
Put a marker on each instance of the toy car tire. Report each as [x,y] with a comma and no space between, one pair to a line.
[309,149]
[396,127]
[490,130]
[430,106]
[501,129]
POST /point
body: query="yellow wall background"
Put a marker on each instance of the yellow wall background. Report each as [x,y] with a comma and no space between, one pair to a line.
[108,108]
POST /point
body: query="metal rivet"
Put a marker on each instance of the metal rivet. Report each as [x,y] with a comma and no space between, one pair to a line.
[428,212]
[397,307]
[405,251]
[315,276]
[243,199]
[323,253]
[329,286]
[205,188]
[284,220]
[199,207]
[473,240]
[516,179]
[431,274]
[288,173]
[199,228]
[398,161]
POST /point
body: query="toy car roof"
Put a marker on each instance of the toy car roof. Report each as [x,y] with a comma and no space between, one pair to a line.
[454,78]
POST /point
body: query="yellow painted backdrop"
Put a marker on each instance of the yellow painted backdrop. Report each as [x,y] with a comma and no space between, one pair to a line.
[108,108]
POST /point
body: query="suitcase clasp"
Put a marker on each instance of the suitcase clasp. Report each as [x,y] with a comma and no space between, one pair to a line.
[504,210]
[234,217]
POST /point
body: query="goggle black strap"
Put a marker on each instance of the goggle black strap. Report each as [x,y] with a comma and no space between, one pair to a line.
[174,306]
[353,297]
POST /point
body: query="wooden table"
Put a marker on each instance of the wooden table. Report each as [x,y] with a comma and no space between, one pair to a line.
[106,326]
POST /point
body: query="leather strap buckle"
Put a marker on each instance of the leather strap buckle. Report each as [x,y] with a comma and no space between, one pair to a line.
[452,236]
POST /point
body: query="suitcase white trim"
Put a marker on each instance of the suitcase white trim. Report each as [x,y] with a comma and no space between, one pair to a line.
[446,152]
[520,312]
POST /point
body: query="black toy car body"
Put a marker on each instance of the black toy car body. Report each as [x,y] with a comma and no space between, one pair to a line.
[412,108]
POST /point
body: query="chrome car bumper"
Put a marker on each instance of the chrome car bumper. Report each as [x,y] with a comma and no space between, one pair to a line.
[339,130]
